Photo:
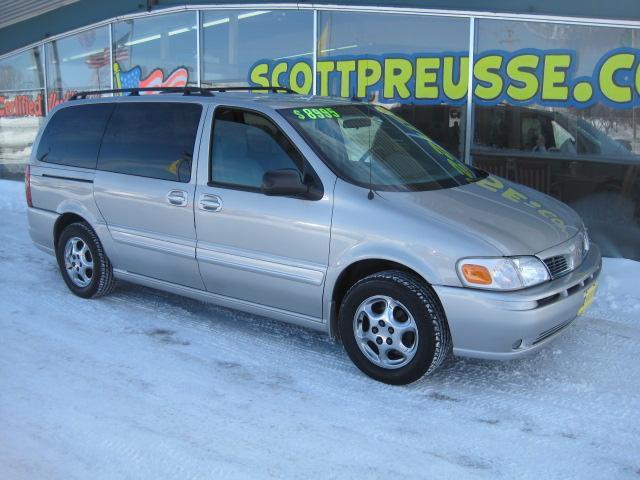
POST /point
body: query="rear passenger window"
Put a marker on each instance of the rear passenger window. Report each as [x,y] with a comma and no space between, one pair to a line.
[151,140]
[72,136]
[246,145]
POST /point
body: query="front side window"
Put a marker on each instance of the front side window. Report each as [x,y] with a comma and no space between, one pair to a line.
[153,140]
[370,145]
[72,136]
[246,145]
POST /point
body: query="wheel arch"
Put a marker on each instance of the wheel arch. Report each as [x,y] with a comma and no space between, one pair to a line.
[72,210]
[354,272]
[63,221]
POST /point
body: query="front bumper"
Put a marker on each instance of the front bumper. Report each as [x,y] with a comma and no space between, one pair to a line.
[486,324]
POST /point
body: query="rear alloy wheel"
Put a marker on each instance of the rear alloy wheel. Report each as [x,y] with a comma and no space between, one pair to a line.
[78,262]
[393,327]
[85,267]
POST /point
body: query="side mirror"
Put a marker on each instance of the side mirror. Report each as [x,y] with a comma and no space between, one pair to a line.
[284,182]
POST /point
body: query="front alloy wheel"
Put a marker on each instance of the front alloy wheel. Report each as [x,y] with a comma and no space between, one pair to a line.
[386,332]
[393,327]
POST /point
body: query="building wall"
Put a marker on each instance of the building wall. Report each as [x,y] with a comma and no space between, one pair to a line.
[553,103]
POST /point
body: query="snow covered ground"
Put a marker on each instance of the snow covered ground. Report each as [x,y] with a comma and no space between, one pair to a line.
[143,384]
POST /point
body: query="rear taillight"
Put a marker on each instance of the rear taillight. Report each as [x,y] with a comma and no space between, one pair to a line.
[27,185]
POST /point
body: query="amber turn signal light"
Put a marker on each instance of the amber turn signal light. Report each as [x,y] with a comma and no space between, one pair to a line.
[476,274]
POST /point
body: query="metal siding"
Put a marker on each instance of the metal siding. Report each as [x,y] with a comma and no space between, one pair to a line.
[14,11]
[64,19]
[612,9]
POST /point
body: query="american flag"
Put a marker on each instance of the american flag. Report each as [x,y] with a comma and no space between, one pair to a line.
[102,59]
[133,78]
[178,78]
[130,78]
[99,60]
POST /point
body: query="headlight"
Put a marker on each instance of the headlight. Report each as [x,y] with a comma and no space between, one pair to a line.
[502,273]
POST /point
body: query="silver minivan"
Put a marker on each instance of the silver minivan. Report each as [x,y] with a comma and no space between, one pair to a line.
[332,214]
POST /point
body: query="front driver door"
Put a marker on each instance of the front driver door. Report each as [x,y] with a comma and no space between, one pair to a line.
[268,250]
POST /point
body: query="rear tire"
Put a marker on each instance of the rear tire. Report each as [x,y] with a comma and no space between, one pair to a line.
[84,265]
[393,327]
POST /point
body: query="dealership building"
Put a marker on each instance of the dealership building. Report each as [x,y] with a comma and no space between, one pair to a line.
[542,92]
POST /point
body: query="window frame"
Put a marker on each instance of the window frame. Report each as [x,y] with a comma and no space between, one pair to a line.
[193,171]
[306,170]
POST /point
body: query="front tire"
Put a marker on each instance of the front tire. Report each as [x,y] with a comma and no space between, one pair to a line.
[393,327]
[84,265]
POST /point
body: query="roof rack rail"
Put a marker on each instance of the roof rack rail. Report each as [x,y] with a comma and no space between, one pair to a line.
[250,89]
[136,91]
[205,91]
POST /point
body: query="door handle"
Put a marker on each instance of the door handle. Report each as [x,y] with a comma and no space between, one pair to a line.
[210,203]
[177,198]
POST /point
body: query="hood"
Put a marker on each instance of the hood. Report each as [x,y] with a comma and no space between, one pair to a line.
[515,219]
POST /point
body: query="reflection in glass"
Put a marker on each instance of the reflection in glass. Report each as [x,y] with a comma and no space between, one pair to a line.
[21,108]
[232,41]
[343,35]
[21,114]
[78,62]
[22,71]
[587,157]
[155,51]
[371,147]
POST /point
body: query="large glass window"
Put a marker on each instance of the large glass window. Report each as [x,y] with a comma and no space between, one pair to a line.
[23,71]
[233,41]
[554,110]
[155,51]
[153,140]
[21,109]
[72,136]
[415,65]
[78,62]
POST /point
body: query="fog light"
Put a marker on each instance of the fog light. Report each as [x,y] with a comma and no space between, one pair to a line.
[516,345]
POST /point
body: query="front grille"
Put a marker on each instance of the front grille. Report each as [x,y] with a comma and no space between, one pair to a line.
[557,265]
[567,256]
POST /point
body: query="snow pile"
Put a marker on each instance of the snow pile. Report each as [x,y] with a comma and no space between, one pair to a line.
[147,385]
[618,297]
[20,122]
[12,196]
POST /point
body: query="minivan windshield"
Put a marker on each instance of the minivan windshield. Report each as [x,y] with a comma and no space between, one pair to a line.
[369,145]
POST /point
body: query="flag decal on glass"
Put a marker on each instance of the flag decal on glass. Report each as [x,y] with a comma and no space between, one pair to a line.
[132,78]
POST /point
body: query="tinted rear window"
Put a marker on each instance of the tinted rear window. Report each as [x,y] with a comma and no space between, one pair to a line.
[72,136]
[151,140]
